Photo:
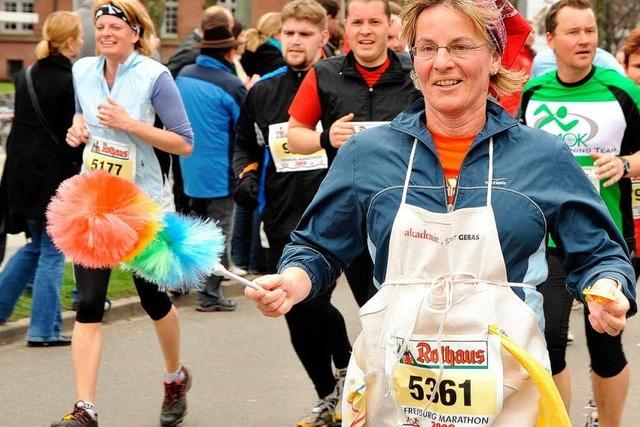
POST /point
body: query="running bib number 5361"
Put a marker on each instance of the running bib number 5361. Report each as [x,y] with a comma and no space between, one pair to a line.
[463,391]
[447,392]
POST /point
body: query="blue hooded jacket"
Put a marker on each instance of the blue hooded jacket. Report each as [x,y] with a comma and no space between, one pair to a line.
[538,188]
[212,97]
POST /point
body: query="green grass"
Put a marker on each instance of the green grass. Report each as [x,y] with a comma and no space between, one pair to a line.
[120,285]
[6,87]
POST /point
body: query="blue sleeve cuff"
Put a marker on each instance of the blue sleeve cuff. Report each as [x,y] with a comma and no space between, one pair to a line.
[315,285]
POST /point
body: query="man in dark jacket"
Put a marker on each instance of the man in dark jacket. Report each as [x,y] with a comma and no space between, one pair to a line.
[188,51]
[184,55]
[369,84]
[288,183]
[212,96]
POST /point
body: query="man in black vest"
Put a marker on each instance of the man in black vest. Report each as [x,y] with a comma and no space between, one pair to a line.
[369,84]
[287,184]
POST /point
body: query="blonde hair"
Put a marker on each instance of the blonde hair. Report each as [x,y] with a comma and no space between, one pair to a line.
[504,81]
[306,10]
[137,15]
[58,29]
[269,24]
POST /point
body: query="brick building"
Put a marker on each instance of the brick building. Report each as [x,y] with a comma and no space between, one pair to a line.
[19,37]
[183,16]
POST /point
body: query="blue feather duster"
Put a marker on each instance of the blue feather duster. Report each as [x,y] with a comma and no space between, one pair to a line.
[181,255]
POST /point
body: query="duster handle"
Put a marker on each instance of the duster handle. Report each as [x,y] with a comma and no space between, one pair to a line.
[219,270]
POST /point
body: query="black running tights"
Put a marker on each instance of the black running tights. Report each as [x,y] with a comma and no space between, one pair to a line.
[318,333]
[607,356]
[92,292]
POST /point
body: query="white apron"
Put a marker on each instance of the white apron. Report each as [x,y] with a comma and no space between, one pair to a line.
[446,283]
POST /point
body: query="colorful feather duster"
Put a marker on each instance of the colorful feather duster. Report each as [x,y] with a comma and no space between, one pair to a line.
[181,255]
[97,219]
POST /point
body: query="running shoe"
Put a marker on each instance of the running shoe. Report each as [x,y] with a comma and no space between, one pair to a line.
[223,304]
[592,414]
[341,374]
[174,406]
[321,414]
[570,337]
[79,417]
[238,270]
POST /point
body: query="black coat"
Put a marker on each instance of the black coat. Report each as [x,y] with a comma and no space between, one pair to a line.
[184,55]
[287,195]
[265,59]
[35,165]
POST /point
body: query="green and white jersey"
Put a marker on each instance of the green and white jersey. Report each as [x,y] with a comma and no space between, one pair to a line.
[599,114]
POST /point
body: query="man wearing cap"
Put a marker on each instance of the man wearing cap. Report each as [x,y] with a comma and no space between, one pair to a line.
[212,96]
[188,51]
[184,55]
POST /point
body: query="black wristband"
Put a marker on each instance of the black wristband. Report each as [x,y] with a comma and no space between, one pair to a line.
[325,142]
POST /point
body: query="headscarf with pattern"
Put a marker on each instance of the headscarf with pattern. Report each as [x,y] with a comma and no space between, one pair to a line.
[510,32]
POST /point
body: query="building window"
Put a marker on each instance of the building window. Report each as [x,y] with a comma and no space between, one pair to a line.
[229,4]
[170,24]
[19,6]
[14,66]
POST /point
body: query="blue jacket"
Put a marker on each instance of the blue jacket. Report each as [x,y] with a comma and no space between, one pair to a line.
[212,97]
[135,80]
[538,188]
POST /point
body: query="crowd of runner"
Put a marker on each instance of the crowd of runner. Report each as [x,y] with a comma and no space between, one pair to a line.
[470,189]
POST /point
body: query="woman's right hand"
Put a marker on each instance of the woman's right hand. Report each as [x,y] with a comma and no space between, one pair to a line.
[280,291]
[77,134]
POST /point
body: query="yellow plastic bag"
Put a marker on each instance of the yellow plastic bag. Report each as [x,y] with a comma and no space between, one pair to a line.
[552,410]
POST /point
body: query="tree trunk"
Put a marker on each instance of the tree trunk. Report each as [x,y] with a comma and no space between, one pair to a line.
[156,12]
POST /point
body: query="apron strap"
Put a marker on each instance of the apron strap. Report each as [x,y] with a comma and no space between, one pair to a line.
[490,173]
[409,168]
[468,281]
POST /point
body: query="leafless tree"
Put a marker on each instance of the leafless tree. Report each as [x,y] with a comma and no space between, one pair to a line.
[615,19]
[156,11]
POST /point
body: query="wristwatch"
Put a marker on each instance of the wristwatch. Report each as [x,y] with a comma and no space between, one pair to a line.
[626,166]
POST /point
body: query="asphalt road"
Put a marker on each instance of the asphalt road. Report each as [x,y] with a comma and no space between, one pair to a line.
[245,373]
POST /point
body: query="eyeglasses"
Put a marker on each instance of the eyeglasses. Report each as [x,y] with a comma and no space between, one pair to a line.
[456,50]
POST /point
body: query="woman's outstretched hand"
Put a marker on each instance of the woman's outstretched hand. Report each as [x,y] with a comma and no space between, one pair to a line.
[280,291]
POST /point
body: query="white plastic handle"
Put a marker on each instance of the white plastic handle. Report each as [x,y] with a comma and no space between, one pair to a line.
[219,270]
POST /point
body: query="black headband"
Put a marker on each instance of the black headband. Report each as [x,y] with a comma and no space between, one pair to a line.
[109,9]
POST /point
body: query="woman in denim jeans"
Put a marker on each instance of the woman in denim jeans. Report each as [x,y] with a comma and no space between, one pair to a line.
[35,165]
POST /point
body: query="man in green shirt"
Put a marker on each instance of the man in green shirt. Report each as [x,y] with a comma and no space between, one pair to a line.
[595,112]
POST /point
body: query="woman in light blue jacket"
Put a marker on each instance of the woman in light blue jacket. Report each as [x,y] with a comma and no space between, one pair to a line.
[117,96]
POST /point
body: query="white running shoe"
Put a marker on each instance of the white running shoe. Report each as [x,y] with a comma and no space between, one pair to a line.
[591,413]
[238,270]
[321,414]
[341,375]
